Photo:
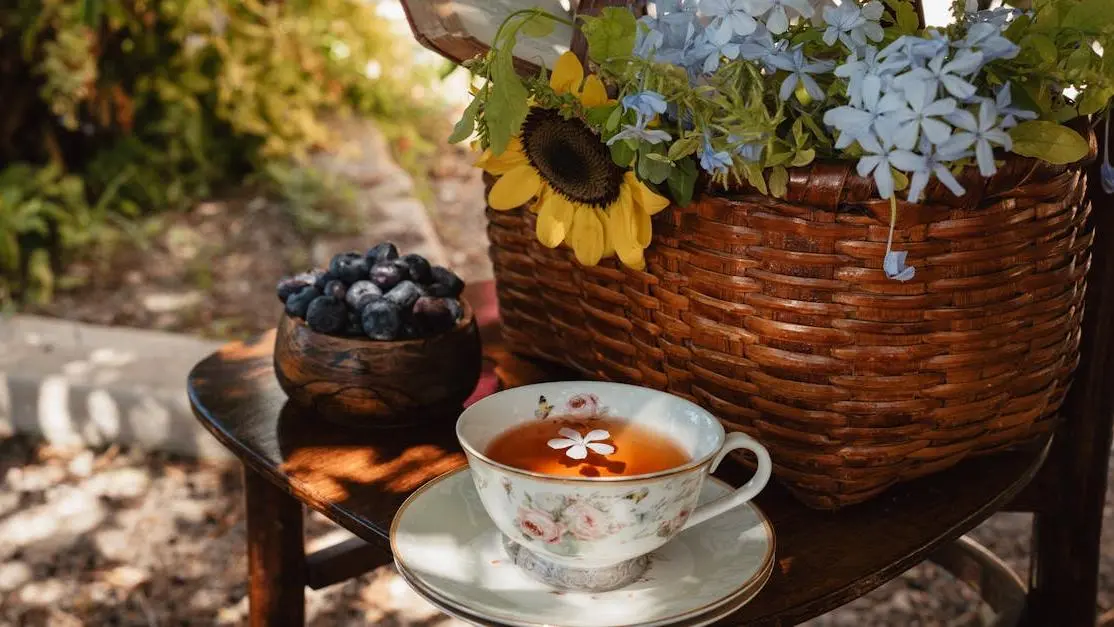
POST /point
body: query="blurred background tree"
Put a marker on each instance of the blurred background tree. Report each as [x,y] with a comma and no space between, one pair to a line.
[112,110]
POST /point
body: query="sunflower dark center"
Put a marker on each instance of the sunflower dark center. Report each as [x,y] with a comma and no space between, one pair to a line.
[571,158]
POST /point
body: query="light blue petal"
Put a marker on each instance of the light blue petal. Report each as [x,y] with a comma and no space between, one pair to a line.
[787,87]
[867,164]
[937,132]
[964,119]
[884,179]
[908,161]
[844,118]
[948,179]
[812,87]
[985,156]
[831,35]
[957,86]
[906,136]
[917,183]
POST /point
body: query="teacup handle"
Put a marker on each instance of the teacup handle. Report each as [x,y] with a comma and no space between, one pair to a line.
[748,491]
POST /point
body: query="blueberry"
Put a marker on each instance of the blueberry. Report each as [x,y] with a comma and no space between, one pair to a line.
[288,286]
[382,320]
[385,275]
[403,268]
[298,303]
[420,272]
[454,306]
[379,253]
[323,279]
[336,289]
[349,267]
[327,315]
[361,293]
[445,283]
[433,314]
[405,294]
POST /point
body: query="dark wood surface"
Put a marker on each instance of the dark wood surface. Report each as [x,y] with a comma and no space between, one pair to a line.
[359,478]
[276,557]
[363,382]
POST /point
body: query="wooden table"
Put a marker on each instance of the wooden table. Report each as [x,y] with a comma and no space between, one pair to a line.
[359,479]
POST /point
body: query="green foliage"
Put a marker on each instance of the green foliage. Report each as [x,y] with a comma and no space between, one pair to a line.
[1049,141]
[139,106]
[611,35]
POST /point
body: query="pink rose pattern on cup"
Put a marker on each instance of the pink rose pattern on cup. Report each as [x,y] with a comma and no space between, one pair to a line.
[564,521]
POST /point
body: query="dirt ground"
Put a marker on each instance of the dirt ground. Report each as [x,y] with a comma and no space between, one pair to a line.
[119,537]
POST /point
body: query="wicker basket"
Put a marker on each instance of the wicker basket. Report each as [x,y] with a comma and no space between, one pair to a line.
[777,316]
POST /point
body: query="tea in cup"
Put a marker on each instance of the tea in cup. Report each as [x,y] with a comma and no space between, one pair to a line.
[585,479]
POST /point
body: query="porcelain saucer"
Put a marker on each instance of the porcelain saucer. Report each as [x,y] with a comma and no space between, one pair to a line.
[446,546]
[700,620]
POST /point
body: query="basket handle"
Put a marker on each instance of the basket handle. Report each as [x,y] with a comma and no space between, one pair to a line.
[579,45]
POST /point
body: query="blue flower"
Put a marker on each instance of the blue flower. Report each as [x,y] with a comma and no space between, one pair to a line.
[748,151]
[852,24]
[668,38]
[778,20]
[983,132]
[915,51]
[647,103]
[879,160]
[1010,114]
[864,122]
[919,115]
[714,162]
[639,132]
[931,162]
[986,38]
[894,266]
[947,74]
[707,54]
[730,18]
[800,70]
[760,46]
[856,69]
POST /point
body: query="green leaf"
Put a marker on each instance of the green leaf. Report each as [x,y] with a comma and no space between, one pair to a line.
[614,119]
[803,158]
[537,25]
[901,181]
[1040,48]
[779,182]
[753,174]
[905,16]
[1049,141]
[683,147]
[622,153]
[653,167]
[610,35]
[658,157]
[1090,16]
[506,105]
[467,123]
[1094,100]
[682,182]
[600,116]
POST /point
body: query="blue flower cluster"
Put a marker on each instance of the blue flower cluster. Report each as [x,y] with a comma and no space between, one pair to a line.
[912,106]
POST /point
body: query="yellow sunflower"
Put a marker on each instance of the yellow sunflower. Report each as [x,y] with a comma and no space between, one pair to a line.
[583,198]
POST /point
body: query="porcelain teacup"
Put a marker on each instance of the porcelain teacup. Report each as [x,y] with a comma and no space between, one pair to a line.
[596,532]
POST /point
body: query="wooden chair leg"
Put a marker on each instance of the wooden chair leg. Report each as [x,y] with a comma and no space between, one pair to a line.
[1067,529]
[276,555]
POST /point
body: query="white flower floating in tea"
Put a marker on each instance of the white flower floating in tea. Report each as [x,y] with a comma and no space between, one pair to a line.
[578,446]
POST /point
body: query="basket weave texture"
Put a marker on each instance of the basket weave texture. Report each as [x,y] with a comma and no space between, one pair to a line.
[776,316]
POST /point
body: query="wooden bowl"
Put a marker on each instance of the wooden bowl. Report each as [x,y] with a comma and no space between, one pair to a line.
[369,383]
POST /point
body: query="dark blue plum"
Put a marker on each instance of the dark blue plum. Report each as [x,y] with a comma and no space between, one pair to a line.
[445,283]
[361,293]
[420,271]
[336,289]
[288,286]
